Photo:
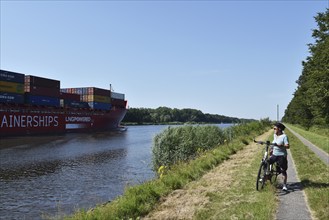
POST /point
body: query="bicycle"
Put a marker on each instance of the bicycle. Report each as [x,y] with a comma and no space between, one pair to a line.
[266,171]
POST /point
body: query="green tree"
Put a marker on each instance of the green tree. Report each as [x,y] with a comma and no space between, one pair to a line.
[165,115]
[310,104]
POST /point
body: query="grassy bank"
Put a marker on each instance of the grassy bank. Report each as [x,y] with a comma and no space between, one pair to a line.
[240,200]
[139,200]
[314,176]
[319,137]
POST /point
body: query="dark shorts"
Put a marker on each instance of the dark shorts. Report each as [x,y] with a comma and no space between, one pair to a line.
[281,160]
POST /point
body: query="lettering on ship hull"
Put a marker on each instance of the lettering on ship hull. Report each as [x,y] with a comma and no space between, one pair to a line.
[77,119]
[28,121]
[75,122]
[15,122]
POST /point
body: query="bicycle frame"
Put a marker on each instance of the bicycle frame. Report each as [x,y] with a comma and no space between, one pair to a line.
[266,171]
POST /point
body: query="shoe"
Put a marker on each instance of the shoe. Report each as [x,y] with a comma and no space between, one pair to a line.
[284,188]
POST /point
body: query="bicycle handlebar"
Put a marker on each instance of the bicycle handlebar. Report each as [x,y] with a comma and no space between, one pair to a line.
[265,142]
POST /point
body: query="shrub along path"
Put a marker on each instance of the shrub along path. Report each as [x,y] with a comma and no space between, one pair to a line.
[228,192]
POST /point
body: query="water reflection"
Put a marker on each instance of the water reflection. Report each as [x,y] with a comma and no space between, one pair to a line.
[47,167]
[55,175]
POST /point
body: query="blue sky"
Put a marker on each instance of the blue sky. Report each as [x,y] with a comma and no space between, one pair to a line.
[233,58]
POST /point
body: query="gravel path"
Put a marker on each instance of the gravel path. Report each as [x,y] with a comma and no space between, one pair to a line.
[319,152]
[292,203]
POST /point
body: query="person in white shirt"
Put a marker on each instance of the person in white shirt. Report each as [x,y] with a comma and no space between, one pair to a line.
[279,154]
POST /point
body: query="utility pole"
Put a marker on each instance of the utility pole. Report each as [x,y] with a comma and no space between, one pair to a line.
[277,112]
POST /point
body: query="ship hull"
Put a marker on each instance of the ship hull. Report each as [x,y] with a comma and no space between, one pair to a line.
[36,121]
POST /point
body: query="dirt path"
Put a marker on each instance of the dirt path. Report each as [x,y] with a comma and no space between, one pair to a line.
[183,203]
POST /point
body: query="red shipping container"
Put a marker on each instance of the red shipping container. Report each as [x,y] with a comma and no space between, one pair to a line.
[70,96]
[42,91]
[43,82]
[88,91]
[119,103]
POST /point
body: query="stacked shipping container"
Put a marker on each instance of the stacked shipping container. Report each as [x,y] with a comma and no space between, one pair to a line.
[42,91]
[18,88]
[71,100]
[96,98]
[11,87]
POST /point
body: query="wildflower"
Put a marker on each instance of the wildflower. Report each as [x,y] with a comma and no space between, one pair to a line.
[161,171]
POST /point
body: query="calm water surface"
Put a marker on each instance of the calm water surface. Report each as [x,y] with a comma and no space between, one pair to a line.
[44,177]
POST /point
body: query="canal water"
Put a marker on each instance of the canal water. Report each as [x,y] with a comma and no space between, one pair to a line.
[52,176]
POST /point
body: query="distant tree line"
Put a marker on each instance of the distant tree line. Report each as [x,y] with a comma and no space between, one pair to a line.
[163,115]
[310,104]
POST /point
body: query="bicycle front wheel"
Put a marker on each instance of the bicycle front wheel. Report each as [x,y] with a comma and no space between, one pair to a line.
[260,182]
[275,171]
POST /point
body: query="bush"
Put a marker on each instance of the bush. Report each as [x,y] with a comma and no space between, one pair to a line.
[184,143]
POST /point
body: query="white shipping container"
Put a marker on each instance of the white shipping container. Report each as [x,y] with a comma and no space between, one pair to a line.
[115,95]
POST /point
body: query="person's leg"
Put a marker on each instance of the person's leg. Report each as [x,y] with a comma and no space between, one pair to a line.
[283,162]
[270,161]
[285,177]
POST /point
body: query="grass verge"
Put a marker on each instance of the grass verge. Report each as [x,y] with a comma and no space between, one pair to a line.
[314,176]
[319,138]
[241,200]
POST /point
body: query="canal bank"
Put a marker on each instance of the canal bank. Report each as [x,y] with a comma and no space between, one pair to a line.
[57,175]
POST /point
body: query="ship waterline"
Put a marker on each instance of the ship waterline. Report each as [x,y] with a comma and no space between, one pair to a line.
[13,122]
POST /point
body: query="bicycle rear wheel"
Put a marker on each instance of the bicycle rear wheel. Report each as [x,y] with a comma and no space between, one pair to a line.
[260,182]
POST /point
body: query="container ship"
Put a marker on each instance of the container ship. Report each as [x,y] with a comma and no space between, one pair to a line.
[33,105]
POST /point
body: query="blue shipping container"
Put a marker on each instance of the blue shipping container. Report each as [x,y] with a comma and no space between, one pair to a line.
[42,100]
[100,105]
[11,76]
[6,97]
[74,104]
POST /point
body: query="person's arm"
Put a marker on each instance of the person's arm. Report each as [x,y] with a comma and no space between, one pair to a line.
[286,142]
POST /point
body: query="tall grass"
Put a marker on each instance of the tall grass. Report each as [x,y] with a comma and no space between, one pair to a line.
[178,144]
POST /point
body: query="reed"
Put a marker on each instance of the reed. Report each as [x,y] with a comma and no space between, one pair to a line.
[178,144]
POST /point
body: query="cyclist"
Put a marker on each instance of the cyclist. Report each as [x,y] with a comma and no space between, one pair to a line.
[279,155]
